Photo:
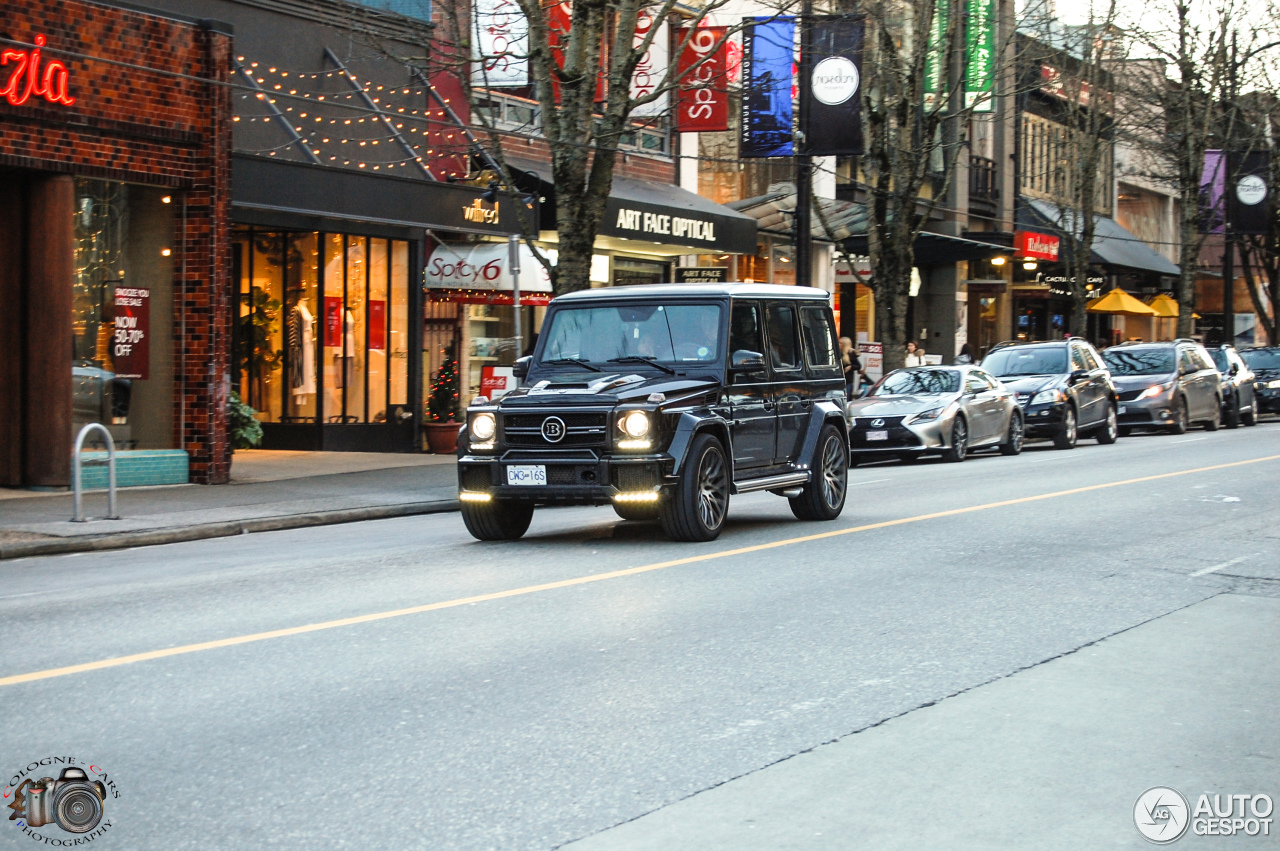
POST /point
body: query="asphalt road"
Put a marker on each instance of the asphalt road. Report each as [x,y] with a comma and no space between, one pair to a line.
[538,715]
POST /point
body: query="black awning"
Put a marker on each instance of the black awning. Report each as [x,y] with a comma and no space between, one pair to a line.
[936,249]
[653,212]
[1113,245]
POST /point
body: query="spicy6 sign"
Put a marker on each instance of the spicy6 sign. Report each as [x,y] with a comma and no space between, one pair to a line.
[702,101]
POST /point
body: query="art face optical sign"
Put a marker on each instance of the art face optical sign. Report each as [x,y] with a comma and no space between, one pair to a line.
[32,75]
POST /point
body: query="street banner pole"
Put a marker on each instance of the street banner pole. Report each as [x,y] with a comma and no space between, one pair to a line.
[513,247]
[802,223]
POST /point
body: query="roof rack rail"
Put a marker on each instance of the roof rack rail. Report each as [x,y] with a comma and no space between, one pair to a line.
[1186,340]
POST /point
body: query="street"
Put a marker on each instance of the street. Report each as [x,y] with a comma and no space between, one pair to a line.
[421,689]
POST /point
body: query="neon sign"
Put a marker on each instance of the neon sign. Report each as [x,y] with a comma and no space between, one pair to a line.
[28,79]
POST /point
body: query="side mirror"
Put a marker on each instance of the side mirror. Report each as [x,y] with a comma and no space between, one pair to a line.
[1077,376]
[1235,369]
[746,359]
[520,369]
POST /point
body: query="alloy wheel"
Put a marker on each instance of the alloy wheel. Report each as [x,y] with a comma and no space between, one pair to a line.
[834,471]
[1016,433]
[712,490]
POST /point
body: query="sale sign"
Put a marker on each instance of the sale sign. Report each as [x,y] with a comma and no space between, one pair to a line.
[377,324]
[333,321]
[130,346]
[702,101]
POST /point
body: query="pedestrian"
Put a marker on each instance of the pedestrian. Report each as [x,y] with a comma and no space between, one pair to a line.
[915,354]
[966,354]
[854,373]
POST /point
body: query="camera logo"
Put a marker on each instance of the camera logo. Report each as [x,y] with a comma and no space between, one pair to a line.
[1161,815]
[74,802]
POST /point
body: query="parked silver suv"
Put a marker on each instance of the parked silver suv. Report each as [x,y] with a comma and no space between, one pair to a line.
[1165,385]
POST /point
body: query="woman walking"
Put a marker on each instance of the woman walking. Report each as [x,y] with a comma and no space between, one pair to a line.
[915,354]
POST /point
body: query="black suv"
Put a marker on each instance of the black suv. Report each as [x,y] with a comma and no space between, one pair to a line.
[1265,363]
[1063,387]
[663,401]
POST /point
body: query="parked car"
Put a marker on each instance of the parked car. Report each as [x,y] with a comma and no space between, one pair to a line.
[1062,386]
[664,401]
[1166,385]
[1239,398]
[934,410]
[1264,361]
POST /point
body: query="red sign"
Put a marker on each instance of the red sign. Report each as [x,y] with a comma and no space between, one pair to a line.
[702,101]
[130,347]
[27,77]
[333,321]
[496,380]
[377,325]
[1036,245]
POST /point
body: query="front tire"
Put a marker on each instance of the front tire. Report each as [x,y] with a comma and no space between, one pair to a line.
[1214,422]
[1179,417]
[959,448]
[1067,435]
[1014,438]
[497,520]
[1110,430]
[697,507]
[1233,417]
[1251,418]
[823,498]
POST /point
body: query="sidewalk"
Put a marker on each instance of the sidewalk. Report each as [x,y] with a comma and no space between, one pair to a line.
[268,490]
[1054,756]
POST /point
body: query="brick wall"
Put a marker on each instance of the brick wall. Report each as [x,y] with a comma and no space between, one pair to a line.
[147,110]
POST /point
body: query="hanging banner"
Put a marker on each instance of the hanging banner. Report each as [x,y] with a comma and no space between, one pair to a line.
[834,92]
[702,101]
[1250,174]
[1213,182]
[980,56]
[485,266]
[130,343]
[502,44]
[652,67]
[935,60]
[768,68]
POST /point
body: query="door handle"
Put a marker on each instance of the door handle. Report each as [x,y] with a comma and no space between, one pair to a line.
[768,404]
[806,403]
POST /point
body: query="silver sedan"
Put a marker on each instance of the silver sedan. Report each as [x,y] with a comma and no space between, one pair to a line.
[935,410]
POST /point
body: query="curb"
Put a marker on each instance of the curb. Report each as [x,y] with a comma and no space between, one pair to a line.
[153,537]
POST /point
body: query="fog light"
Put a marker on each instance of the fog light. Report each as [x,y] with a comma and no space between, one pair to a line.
[643,496]
[474,496]
[633,444]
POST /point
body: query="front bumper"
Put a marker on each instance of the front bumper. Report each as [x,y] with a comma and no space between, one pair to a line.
[1154,411]
[1043,420]
[572,478]
[899,439]
[1268,400]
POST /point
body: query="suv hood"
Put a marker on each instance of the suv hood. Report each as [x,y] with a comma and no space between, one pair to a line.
[602,388]
[1266,374]
[1030,383]
[1141,382]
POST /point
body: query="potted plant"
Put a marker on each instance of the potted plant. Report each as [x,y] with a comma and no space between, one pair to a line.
[442,406]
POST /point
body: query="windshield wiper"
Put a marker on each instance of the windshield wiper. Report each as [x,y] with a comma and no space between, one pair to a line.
[643,359]
[575,361]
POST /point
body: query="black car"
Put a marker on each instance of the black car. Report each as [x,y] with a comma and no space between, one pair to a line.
[1265,363]
[1063,387]
[1239,397]
[663,401]
[1167,385]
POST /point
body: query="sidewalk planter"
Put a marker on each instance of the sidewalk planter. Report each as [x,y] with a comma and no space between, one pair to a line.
[442,438]
[139,468]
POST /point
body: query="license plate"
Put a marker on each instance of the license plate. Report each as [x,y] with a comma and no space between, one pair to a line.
[1121,411]
[877,435]
[527,474]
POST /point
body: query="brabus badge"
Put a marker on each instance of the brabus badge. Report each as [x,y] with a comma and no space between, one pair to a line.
[553,429]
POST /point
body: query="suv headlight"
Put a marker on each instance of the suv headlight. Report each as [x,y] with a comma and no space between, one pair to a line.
[931,414]
[1274,384]
[1048,397]
[634,424]
[483,426]
[1152,391]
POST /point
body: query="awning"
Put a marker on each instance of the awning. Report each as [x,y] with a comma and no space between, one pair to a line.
[654,212]
[1119,302]
[1112,244]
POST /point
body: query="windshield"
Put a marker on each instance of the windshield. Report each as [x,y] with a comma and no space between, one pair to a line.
[1262,358]
[679,333]
[1220,360]
[1026,361]
[1139,361]
[919,382]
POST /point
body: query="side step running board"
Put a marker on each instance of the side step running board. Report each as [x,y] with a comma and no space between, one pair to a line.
[771,482]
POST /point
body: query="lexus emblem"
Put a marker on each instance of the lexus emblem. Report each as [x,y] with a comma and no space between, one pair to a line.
[553,429]
[877,423]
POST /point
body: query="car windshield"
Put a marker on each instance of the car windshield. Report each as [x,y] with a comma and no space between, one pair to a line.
[672,333]
[919,382]
[1124,361]
[1220,360]
[1019,360]
[1262,358]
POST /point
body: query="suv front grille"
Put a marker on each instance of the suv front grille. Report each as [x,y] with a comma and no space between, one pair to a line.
[589,428]
[476,478]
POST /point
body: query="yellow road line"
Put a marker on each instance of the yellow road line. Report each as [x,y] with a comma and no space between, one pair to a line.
[583,580]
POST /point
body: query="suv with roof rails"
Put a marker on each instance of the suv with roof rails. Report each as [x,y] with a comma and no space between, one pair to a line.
[1166,385]
[663,401]
[1264,361]
[1063,388]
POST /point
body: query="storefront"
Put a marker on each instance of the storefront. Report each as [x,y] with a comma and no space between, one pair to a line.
[114,168]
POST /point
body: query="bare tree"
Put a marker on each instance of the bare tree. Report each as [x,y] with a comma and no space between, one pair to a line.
[1260,254]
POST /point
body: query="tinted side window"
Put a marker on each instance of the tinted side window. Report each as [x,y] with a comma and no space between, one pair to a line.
[975,384]
[783,351]
[744,328]
[1202,357]
[1089,360]
[1185,361]
[819,342]
[1077,358]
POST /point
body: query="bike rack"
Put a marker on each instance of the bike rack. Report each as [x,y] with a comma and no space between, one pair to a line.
[77,463]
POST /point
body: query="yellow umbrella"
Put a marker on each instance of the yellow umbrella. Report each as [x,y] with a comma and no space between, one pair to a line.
[1120,302]
[1164,306]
